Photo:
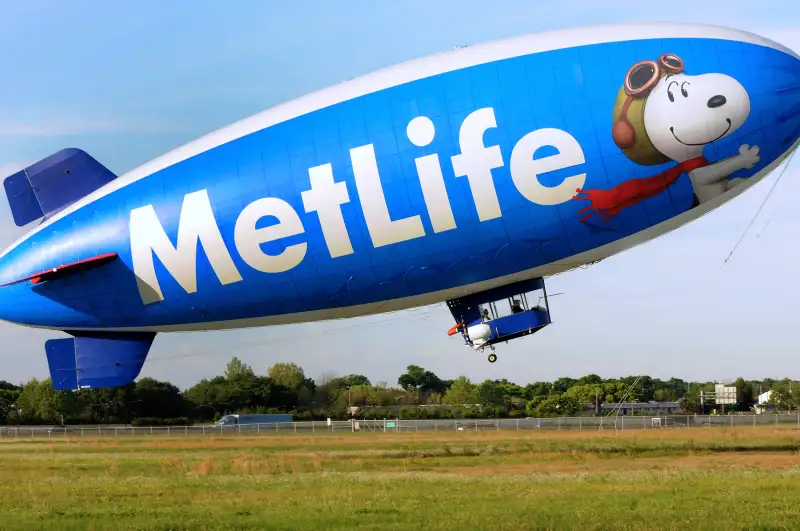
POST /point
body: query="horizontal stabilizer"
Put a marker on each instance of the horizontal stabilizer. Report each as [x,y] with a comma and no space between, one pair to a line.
[66,269]
[95,360]
[54,183]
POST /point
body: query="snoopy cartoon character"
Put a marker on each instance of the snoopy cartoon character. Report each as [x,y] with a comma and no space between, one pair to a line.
[661,115]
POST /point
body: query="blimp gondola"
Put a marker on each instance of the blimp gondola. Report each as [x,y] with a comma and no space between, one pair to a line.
[467,177]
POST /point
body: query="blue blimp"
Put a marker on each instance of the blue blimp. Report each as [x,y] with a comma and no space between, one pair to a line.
[467,177]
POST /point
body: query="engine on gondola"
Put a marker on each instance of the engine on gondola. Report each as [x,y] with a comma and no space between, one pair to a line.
[501,314]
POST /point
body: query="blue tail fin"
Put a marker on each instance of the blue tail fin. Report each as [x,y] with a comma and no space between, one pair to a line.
[93,360]
[54,183]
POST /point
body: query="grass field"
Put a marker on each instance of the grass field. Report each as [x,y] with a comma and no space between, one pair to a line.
[650,479]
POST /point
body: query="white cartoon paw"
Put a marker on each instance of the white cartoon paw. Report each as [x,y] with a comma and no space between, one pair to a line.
[749,156]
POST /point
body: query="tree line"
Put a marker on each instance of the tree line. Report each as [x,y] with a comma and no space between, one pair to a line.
[418,393]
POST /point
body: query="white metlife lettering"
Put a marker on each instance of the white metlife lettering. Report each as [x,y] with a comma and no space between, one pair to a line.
[420,132]
[325,198]
[477,161]
[382,229]
[196,223]
[248,238]
[525,169]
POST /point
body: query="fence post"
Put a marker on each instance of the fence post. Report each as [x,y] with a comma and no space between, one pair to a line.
[559,423]
[436,425]
[517,424]
[754,420]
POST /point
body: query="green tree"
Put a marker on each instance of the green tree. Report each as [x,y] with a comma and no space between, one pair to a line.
[563,384]
[208,397]
[353,379]
[783,394]
[690,403]
[107,405]
[38,402]
[537,389]
[745,395]
[9,394]
[289,375]
[292,377]
[236,369]
[510,389]
[154,398]
[589,379]
[490,393]
[426,382]
[413,378]
[556,405]
[462,391]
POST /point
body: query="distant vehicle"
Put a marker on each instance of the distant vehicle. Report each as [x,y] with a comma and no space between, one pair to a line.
[465,177]
[242,420]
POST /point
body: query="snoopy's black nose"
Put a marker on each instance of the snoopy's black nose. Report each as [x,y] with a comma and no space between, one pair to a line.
[716,101]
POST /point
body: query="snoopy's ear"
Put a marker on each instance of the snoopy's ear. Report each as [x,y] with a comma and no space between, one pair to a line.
[623,134]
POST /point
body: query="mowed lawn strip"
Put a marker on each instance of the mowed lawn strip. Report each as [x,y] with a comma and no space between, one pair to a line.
[704,478]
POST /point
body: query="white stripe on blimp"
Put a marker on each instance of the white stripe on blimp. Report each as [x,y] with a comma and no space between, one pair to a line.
[411,71]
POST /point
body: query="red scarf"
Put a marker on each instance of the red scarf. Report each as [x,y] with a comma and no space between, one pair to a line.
[609,203]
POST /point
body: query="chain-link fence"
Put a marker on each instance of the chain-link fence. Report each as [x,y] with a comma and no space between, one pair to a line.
[404,426]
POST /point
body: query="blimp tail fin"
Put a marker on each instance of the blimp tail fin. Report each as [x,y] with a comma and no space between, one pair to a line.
[53,183]
[92,360]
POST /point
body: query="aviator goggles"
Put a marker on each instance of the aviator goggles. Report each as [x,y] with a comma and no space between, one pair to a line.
[644,75]
[640,78]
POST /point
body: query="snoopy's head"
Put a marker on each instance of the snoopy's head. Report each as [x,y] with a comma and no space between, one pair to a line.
[664,114]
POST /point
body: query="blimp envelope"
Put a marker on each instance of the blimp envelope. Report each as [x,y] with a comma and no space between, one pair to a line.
[438,178]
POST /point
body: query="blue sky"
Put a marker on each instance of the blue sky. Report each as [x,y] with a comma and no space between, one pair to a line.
[128,82]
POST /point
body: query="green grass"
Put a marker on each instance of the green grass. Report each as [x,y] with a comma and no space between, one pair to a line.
[657,479]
